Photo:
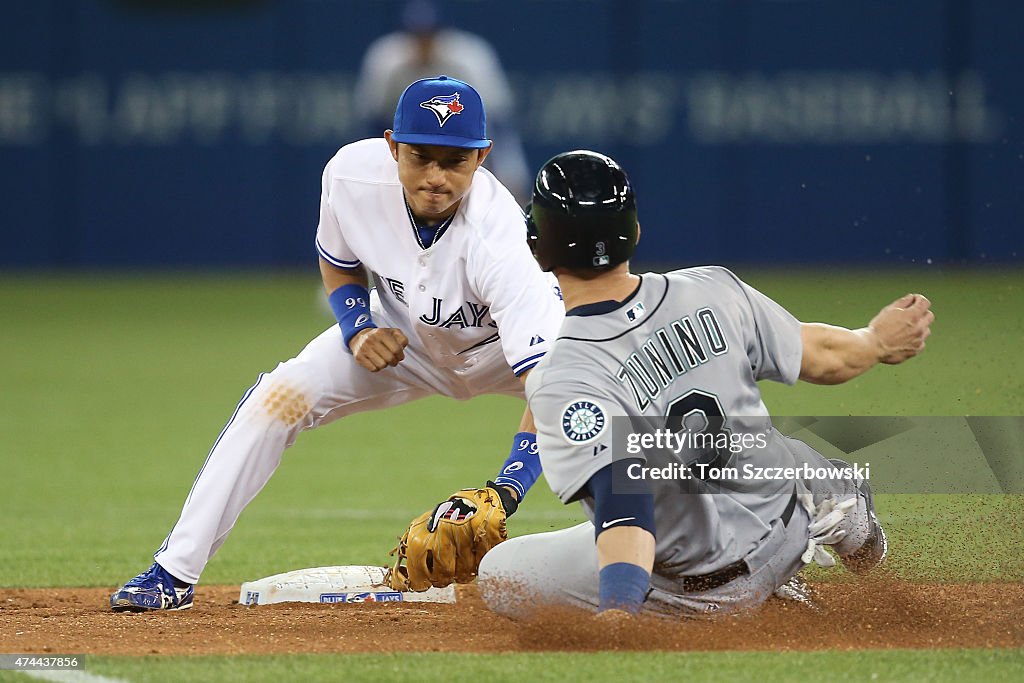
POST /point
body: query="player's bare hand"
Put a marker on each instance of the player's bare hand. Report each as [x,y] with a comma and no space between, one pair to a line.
[379,347]
[902,327]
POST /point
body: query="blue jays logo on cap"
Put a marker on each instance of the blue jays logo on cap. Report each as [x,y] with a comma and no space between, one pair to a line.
[443,107]
[583,421]
[456,115]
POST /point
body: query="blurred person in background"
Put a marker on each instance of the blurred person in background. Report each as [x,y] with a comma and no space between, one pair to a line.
[425,47]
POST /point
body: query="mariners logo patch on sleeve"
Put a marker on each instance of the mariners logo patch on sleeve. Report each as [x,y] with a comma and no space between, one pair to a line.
[583,421]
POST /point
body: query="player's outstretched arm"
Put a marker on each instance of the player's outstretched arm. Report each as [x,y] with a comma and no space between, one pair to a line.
[372,347]
[832,355]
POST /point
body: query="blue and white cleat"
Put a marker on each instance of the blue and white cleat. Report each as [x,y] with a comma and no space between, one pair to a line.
[154,589]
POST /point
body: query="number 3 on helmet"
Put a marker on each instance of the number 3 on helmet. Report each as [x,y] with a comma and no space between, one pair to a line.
[583,213]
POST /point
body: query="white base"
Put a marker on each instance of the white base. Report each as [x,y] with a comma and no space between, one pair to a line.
[348,584]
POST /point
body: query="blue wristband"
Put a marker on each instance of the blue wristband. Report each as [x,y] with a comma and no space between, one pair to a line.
[522,468]
[351,306]
[623,586]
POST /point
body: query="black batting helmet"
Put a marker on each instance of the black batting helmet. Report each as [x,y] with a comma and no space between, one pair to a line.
[583,213]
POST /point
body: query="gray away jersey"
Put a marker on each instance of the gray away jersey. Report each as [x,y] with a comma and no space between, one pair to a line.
[693,340]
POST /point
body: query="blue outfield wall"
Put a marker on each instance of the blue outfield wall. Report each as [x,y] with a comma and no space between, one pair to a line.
[137,133]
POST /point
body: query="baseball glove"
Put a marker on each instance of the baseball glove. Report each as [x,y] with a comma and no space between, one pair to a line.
[446,544]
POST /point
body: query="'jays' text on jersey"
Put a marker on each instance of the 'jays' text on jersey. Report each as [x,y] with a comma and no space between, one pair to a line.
[690,342]
[454,297]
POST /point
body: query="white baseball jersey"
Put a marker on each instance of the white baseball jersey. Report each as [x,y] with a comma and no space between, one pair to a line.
[477,285]
[475,307]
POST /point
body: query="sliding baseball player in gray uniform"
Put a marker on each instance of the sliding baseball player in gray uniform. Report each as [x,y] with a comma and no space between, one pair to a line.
[727,510]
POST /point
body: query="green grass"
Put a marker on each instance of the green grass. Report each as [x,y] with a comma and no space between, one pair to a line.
[113,388]
[873,666]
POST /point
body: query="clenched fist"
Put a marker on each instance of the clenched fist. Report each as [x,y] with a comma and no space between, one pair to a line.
[379,347]
[902,327]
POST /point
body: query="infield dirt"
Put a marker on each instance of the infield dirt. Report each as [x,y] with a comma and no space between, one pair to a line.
[877,613]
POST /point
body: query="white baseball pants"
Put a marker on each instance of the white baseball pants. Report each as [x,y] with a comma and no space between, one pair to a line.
[322,384]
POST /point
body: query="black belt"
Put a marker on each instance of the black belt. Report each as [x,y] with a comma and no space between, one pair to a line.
[705,582]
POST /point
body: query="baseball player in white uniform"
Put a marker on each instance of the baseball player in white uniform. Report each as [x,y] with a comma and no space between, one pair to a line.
[687,347]
[460,308]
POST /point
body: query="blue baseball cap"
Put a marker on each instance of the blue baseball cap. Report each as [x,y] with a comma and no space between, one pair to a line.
[441,111]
